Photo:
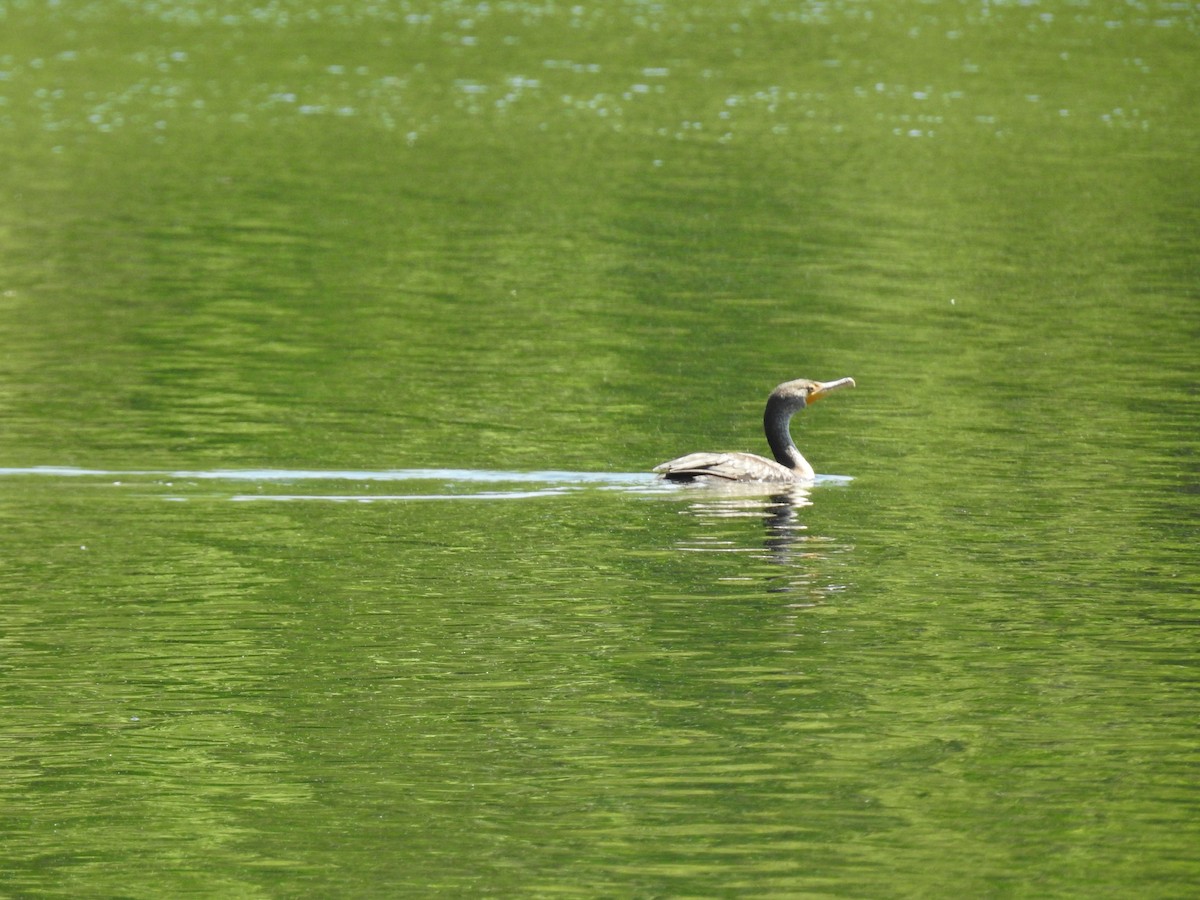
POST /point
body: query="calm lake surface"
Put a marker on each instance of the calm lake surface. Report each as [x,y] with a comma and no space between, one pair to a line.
[337,342]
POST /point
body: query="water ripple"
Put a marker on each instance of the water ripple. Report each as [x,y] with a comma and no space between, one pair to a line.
[456,484]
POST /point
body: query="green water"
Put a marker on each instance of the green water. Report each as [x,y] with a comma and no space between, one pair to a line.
[334,338]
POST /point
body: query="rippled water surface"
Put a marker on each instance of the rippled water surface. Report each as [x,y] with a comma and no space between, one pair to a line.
[338,342]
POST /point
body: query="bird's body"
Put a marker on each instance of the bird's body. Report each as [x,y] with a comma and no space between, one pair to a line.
[726,467]
[789,465]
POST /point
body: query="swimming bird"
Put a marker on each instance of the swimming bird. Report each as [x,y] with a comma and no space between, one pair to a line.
[789,466]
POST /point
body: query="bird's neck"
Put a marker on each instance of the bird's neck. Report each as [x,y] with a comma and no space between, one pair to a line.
[776,420]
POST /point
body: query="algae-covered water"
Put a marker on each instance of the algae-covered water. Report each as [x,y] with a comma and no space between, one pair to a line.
[337,342]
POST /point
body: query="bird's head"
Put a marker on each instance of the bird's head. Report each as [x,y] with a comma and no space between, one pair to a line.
[802,392]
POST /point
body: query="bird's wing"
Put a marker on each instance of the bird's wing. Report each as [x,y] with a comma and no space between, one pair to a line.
[726,466]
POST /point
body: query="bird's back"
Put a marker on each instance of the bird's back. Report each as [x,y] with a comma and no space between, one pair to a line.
[725,467]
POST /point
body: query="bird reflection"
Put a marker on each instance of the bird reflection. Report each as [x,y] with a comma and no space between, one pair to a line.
[796,555]
[778,509]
